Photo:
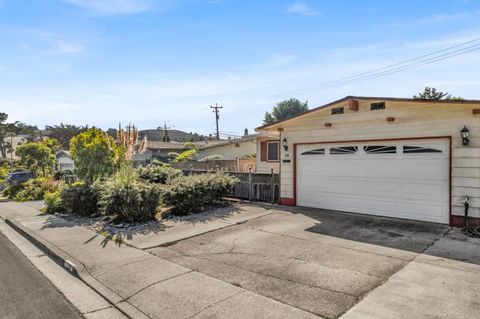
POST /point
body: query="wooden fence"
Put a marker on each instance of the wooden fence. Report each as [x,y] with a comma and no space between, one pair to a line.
[262,187]
[236,165]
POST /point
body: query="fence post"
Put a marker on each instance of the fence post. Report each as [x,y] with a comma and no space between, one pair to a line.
[272,187]
[250,184]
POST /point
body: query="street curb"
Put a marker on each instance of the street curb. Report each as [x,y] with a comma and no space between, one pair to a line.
[76,269]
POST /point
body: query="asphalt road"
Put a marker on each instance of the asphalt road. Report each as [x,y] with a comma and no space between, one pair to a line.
[25,292]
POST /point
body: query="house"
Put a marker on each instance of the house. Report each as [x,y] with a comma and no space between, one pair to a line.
[229,149]
[231,155]
[403,158]
[157,150]
[268,151]
[64,161]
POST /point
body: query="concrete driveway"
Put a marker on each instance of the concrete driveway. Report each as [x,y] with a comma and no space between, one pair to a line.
[335,264]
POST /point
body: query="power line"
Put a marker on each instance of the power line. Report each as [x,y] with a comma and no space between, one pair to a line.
[400,66]
[408,66]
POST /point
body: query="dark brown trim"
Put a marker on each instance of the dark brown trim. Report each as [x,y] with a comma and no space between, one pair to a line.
[459,221]
[287,201]
[476,111]
[294,174]
[353,105]
[367,98]
[263,151]
[279,169]
[447,137]
[279,152]
[450,161]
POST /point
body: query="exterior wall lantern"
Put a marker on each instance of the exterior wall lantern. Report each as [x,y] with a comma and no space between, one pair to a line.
[285,144]
[465,133]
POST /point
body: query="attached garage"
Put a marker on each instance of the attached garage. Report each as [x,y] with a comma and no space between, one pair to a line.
[405,179]
[394,157]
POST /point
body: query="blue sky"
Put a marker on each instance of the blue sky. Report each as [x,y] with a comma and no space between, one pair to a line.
[99,62]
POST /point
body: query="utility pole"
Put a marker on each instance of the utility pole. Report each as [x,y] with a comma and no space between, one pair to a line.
[215,110]
[166,138]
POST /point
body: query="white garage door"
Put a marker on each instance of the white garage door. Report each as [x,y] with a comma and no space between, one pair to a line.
[407,179]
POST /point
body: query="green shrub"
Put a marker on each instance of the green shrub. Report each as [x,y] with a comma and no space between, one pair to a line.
[3,174]
[194,193]
[12,190]
[127,198]
[53,202]
[33,189]
[80,199]
[186,156]
[158,174]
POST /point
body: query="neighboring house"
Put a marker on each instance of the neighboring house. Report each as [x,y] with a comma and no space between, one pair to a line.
[268,152]
[15,141]
[229,149]
[232,155]
[64,161]
[157,150]
[393,157]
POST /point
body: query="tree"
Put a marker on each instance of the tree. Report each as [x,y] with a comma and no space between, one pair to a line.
[64,133]
[36,156]
[93,154]
[6,129]
[432,94]
[12,129]
[186,156]
[190,146]
[284,110]
[53,144]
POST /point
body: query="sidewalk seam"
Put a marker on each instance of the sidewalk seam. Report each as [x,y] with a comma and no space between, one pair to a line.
[157,282]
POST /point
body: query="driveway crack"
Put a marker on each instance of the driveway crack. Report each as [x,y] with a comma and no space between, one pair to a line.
[216,303]
[156,282]
[268,275]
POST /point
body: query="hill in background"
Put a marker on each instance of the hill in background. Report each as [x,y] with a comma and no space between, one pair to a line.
[159,134]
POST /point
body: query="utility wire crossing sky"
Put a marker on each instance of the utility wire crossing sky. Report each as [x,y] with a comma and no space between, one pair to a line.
[149,61]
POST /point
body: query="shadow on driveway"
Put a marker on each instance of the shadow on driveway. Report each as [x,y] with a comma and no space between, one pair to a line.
[433,239]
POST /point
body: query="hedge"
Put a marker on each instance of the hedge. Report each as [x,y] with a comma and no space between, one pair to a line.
[195,193]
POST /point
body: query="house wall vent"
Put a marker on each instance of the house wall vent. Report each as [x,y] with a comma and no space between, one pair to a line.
[353,105]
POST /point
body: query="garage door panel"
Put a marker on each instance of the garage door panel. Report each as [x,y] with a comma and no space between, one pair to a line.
[429,193]
[436,169]
[413,185]
[427,211]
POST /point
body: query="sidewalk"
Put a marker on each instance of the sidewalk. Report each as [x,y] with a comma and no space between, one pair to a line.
[140,284]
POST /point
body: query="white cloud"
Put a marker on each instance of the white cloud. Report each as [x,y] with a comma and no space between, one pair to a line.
[112,6]
[183,98]
[439,18]
[278,60]
[302,8]
[67,47]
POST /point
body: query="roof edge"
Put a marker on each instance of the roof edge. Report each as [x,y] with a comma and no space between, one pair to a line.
[318,108]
